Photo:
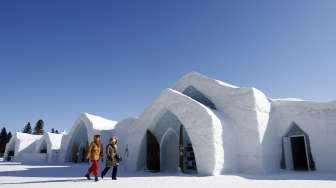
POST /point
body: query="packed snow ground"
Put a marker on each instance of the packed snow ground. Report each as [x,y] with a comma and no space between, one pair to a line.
[70,176]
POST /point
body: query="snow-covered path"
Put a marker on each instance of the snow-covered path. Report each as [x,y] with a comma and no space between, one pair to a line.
[16,175]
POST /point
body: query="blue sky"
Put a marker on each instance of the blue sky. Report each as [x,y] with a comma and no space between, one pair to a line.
[112,58]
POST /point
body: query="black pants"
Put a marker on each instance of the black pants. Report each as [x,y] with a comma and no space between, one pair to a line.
[114,172]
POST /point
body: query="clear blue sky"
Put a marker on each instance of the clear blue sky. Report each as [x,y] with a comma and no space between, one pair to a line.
[112,58]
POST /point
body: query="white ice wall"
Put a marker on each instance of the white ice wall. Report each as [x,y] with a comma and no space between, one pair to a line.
[318,120]
[203,127]
[244,114]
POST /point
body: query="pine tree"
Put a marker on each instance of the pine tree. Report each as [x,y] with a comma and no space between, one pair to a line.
[9,136]
[38,130]
[52,130]
[3,140]
[27,128]
[56,132]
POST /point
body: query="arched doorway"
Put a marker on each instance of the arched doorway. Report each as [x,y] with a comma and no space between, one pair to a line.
[77,147]
[10,151]
[169,155]
[82,149]
[43,147]
[175,150]
[74,153]
[10,155]
[296,150]
[153,153]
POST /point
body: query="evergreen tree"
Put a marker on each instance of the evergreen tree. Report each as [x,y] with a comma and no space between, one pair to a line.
[3,140]
[27,128]
[38,130]
[56,132]
[52,130]
[9,136]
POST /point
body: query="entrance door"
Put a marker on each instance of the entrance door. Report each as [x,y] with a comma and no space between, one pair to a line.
[299,153]
[74,155]
[153,153]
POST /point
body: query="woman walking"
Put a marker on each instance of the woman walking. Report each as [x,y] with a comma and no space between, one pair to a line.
[94,154]
[112,159]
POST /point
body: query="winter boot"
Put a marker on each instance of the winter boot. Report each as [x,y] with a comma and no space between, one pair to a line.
[96,178]
[88,176]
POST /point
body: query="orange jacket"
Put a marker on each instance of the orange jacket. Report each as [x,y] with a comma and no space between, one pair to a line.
[95,152]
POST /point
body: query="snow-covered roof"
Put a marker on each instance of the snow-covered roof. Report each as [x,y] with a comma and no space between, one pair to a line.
[205,84]
[54,139]
[25,136]
[197,76]
[21,141]
[99,123]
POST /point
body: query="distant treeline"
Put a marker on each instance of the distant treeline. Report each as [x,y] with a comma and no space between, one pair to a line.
[38,129]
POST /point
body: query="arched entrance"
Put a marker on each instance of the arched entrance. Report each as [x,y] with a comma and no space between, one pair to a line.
[169,147]
[10,155]
[82,149]
[203,127]
[77,147]
[43,147]
[296,150]
[169,155]
[10,151]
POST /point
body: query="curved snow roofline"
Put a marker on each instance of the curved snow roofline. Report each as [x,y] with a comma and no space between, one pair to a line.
[216,90]
[94,125]
[25,136]
[204,130]
[195,74]
[97,122]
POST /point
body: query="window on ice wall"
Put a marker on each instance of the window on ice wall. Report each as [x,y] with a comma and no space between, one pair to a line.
[198,96]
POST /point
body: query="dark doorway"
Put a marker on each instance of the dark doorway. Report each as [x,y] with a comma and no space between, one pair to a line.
[181,148]
[74,153]
[10,155]
[153,153]
[299,153]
